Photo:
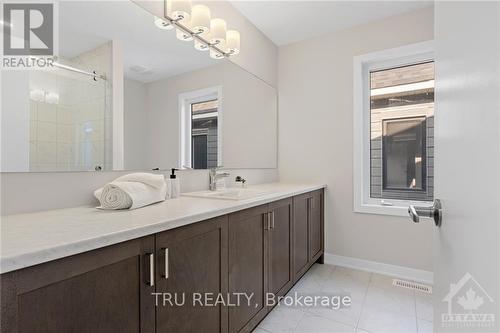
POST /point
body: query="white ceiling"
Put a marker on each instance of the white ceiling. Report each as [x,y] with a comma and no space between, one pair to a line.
[84,25]
[286,22]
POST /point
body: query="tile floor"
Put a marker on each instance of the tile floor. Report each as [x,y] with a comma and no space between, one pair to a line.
[377,306]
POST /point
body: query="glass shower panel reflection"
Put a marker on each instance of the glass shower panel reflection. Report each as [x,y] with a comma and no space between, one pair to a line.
[69,120]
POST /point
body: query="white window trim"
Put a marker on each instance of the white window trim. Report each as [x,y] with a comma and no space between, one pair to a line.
[185,101]
[363,64]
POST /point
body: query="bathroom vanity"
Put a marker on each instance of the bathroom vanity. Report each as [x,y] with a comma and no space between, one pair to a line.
[85,270]
[118,101]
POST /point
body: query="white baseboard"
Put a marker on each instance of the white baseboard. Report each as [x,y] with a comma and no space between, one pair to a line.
[381,268]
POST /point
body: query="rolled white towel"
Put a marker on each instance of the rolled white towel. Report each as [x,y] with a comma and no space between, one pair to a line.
[151,179]
[132,191]
[112,196]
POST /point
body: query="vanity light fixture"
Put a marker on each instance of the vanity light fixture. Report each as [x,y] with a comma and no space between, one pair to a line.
[233,42]
[195,23]
[201,46]
[218,29]
[200,19]
[182,34]
[163,24]
[179,9]
[214,54]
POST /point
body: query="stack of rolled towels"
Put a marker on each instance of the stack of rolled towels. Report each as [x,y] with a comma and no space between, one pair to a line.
[132,191]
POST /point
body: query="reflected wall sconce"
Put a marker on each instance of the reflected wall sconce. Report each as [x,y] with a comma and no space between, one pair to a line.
[39,95]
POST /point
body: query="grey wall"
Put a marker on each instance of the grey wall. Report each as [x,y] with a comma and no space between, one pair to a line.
[316,139]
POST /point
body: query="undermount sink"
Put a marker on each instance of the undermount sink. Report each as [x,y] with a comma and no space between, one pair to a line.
[227,194]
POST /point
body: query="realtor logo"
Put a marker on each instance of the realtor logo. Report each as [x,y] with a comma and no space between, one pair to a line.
[467,301]
[28,29]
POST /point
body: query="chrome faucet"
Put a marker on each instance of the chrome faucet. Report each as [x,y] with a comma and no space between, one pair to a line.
[214,177]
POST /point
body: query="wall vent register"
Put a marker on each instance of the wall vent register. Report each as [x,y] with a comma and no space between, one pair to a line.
[412,285]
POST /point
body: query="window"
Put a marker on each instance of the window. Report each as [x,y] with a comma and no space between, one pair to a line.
[394,129]
[204,134]
[200,114]
[403,155]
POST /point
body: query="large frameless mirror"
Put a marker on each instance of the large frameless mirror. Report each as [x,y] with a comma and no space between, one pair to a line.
[125,94]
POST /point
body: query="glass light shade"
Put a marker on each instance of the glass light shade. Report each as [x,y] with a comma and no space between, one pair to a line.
[163,24]
[200,19]
[181,35]
[179,9]
[233,42]
[218,31]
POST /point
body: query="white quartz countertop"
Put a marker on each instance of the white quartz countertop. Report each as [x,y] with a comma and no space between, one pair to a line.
[34,238]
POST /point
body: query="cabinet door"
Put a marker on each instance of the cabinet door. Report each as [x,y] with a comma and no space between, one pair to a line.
[300,243]
[248,267]
[280,256]
[192,262]
[315,225]
[105,290]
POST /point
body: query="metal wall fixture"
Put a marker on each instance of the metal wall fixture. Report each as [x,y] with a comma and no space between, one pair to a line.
[194,23]
[92,74]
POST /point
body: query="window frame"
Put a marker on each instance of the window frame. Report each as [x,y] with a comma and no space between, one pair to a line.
[185,130]
[362,66]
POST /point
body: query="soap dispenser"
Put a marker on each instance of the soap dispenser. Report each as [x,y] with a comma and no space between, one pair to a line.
[174,186]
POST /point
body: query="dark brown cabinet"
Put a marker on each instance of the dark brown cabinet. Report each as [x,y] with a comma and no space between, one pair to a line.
[105,290]
[257,251]
[315,225]
[308,243]
[248,266]
[260,260]
[300,234]
[280,247]
[192,262]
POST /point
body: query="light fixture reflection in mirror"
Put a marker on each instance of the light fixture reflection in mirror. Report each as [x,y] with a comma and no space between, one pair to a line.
[233,42]
[179,9]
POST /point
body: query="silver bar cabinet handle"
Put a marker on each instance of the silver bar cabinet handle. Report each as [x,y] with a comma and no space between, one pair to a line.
[151,279]
[165,253]
[272,219]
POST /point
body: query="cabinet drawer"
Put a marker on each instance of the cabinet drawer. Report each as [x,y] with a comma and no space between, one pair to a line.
[105,290]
